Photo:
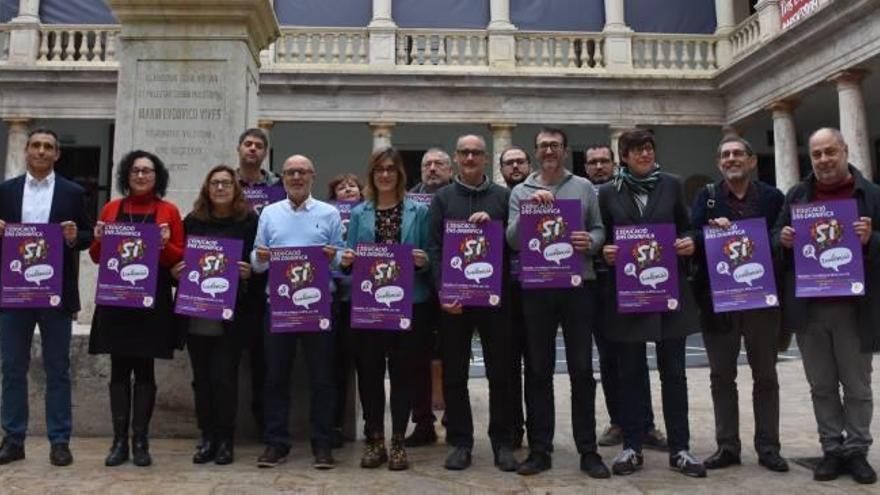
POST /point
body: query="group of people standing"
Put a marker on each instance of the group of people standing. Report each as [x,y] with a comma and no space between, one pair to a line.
[836,336]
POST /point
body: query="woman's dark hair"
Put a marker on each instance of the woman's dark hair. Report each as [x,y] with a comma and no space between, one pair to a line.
[203,208]
[632,139]
[342,178]
[376,159]
[123,172]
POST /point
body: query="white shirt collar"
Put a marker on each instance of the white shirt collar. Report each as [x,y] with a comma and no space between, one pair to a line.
[47,181]
[306,205]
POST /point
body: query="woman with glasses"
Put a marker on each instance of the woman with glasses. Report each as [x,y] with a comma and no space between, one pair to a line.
[641,194]
[387,217]
[220,211]
[135,337]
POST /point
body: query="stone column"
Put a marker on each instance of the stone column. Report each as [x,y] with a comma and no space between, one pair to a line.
[770,18]
[502,138]
[854,119]
[502,44]
[381,134]
[24,33]
[382,35]
[725,21]
[16,141]
[618,38]
[499,13]
[267,126]
[785,145]
[614,133]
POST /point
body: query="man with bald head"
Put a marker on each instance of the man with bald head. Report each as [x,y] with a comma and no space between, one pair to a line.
[837,335]
[299,220]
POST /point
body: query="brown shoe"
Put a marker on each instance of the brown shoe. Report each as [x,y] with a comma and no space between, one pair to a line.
[374,453]
[397,460]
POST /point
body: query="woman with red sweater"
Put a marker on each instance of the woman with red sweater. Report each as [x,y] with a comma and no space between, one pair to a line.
[135,337]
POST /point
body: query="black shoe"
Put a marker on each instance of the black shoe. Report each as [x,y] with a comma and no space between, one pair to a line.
[225,453]
[829,468]
[591,463]
[459,458]
[628,461]
[772,461]
[423,434]
[205,451]
[536,462]
[140,451]
[118,452]
[10,452]
[857,465]
[505,460]
[273,456]
[687,464]
[60,455]
[323,458]
[721,459]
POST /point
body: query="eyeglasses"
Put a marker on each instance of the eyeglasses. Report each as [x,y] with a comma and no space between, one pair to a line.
[733,153]
[645,148]
[550,145]
[220,183]
[384,170]
[302,172]
[146,172]
[475,153]
[595,162]
[514,161]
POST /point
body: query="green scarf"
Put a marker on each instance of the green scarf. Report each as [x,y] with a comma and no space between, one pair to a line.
[637,185]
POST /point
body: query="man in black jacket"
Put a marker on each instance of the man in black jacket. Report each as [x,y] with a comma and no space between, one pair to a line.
[837,335]
[739,197]
[472,196]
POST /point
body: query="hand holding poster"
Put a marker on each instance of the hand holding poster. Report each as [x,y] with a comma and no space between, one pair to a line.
[128,265]
[209,281]
[299,290]
[262,195]
[32,266]
[646,268]
[547,257]
[827,251]
[381,287]
[472,263]
[740,266]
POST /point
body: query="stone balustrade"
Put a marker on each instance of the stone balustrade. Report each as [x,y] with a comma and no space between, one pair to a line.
[315,46]
[4,43]
[745,37]
[77,44]
[574,51]
[674,53]
[420,47]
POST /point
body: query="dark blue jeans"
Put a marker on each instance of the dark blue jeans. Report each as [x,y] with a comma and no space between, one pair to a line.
[673,380]
[320,351]
[16,334]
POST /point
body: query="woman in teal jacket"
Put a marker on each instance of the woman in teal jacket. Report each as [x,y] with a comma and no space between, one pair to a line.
[388,217]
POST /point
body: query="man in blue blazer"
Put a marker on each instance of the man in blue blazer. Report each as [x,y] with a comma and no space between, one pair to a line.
[41,196]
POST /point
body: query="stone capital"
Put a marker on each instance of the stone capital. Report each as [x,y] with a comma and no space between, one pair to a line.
[266,124]
[502,126]
[848,77]
[18,121]
[382,129]
[783,106]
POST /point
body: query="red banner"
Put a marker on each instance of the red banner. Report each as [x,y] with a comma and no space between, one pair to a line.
[794,11]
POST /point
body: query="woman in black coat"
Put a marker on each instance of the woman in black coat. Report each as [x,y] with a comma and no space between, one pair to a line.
[215,346]
[641,194]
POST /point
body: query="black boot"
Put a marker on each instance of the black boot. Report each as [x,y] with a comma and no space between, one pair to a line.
[225,449]
[144,399]
[120,410]
[206,450]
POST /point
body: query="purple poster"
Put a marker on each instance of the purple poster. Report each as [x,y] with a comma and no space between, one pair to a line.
[32,266]
[827,251]
[381,287]
[262,195]
[129,262]
[345,208]
[646,268]
[421,198]
[299,290]
[472,263]
[740,266]
[209,283]
[546,257]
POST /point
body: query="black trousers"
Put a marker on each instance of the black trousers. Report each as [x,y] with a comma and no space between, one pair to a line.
[214,363]
[253,326]
[518,331]
[455,342]
[422,384]
[398,349]
[545,310]
[123,367]
[344,358]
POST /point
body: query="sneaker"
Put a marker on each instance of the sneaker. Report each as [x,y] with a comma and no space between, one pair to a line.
[655,440]
[423,434]
[862,472]
[613,435]
[374,453]
[687,464]
[591,463]
[397,460]
[323,458]
[627,462]
[273,456]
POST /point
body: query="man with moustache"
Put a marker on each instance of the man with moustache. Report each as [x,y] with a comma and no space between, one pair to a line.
[436,172]
[739,196]
[837,335]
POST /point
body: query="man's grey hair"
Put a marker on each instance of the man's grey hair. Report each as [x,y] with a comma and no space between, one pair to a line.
[736,139]
[481,138]
[436,151]
[833,131]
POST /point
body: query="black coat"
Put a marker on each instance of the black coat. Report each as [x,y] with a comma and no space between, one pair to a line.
[795,310]
[665,205]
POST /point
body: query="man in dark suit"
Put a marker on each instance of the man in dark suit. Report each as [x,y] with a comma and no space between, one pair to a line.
[41,196]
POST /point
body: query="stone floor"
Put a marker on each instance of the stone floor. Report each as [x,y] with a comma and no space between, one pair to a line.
[174,473]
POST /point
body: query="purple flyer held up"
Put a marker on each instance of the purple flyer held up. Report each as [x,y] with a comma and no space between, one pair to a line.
[646,268]
[827,251]
[209,283]
[740,266]
[472,263]
[32,266]
[345,208]
[299,290]
[547,258]
[262,195]
[381,287]
[129,265]
[422,198]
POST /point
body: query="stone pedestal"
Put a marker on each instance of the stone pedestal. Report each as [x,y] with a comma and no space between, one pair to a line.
[770,17]
[188,81]
[618,38]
